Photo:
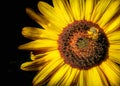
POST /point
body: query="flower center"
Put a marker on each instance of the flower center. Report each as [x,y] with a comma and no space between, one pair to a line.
[83,44]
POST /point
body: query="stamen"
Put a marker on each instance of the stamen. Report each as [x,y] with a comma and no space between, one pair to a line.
[81,43]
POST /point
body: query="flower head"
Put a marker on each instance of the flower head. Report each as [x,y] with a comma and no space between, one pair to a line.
[78,44]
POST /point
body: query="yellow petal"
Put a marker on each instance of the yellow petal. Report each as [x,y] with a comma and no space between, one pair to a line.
[115,46]
[65,77]
[81,79]
[103,77]
[39,45]
[37,17]
[51,15]
[40,19]
[72,77]
[63,9]
[114,42]
[109,13]
[88,9]
[93,78]
[112,25]
[48,56]
[32,56]
[29,66]
[114,66]
[114,55]
[99,9]
[115,36]
[47,71]
[76,9]
[112,72]
[58,75]
[40,60]
[37,33]
[33,65]
[83,9]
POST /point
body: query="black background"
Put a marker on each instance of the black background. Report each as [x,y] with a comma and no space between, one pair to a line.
[17,20]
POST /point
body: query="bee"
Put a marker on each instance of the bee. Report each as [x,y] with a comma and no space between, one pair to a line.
[93,33]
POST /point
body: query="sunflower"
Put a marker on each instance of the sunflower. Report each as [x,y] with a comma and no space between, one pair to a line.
[78,43]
